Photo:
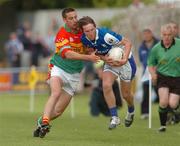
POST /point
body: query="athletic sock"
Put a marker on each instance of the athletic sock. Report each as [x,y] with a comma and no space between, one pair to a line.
[113,111]
[176,110]
[130,109]
[40,120]
[163,115]
[45,120]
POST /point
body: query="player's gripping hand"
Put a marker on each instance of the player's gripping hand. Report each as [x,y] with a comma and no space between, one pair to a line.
[154,78]
[111,62]
[107,59]
[93,57]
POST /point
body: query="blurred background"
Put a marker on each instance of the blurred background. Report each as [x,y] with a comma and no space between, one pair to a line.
[27,32]
[33,25]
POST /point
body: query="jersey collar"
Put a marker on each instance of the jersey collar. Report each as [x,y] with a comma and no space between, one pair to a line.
[173,43]
[97,34]
[97,37]
[68,29]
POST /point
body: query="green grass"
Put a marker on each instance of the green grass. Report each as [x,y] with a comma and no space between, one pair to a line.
[17,124]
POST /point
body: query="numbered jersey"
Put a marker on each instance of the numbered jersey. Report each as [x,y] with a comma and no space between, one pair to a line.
[104,41]
[65,41]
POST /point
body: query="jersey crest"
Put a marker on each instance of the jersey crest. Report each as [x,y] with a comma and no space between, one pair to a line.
[105,39]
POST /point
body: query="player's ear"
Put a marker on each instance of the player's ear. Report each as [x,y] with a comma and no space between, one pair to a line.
[64,19]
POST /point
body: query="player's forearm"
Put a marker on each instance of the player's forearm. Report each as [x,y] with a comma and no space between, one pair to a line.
[76,56]
[102,57]
[127,44]
[152,71]
[127,51]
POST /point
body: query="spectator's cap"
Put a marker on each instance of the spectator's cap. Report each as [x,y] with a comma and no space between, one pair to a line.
[99,64]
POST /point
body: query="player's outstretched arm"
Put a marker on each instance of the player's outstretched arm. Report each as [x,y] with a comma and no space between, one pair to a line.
[76,56]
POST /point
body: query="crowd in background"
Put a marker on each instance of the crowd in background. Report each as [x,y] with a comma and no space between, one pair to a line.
[25,47]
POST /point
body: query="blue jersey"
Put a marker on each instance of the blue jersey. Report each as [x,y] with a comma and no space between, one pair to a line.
[104,41]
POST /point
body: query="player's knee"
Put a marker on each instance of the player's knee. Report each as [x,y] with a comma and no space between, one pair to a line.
[58,113]
[163,103]
[55,94]
[127,95]
[173,105]
[107,87]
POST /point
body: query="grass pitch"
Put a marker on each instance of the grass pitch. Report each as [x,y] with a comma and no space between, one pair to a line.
[17,124]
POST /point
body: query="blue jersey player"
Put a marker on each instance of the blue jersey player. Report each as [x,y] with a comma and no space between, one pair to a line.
[102,40]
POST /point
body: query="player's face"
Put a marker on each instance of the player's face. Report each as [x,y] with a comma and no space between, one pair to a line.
[167,37]
[71,20]
[90,31]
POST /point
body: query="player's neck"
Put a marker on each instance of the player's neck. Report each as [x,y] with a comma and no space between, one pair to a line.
[75,30]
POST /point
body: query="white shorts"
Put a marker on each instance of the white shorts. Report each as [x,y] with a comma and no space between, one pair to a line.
[70,81]
[125,72]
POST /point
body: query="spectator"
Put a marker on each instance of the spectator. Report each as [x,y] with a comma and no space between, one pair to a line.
[175,28]
[39,50]
[22,28]
[97,101]
[13,49]
[49,42]
[163,63]
[26,39]
[148,42]
[54,26]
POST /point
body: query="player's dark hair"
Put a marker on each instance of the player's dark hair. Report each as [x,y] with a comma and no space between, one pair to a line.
[67,10]
[85,21]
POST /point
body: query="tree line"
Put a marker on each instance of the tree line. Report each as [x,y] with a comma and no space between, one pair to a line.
[23,5]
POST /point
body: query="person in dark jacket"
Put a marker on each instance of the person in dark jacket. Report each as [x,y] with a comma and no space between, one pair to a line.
[148,42]
[97,102]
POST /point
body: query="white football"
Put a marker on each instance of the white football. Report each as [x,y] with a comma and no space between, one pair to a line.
[116,53]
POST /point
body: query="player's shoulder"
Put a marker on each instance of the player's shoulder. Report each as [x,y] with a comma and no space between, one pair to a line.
[156,47]
[177,39]
[177,42]
[62,32]
[107,32]
[103,33]
[62,35]
[103,30]
[84,38]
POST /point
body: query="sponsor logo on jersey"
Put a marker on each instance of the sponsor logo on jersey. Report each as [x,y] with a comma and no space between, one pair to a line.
[102,52]
[104,45]
[71,39]
[110,40]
